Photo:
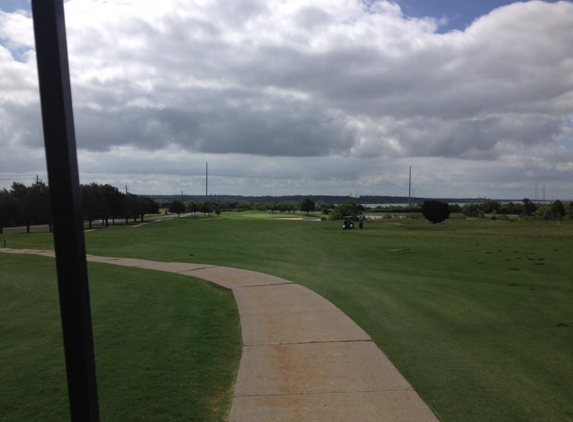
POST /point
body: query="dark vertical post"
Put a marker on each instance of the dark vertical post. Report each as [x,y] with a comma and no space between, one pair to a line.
[410,188]
[60,144]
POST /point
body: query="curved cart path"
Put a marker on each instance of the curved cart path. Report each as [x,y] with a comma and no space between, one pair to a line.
[303,358]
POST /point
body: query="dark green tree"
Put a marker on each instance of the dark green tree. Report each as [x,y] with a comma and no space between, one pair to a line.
[177,207]
[529,207]
[192,207]
[558,209]
[244,206]
[274,207]
[206,208]
[490,206]
[136,207]
[307,206]
[511,208]
[8,210]
[37,203]
[544,212]
[93,203]
[150,206]
[225,206]
[261,206]
[114,203]
[19,194]
[435,211]
[348,208]
[472,210]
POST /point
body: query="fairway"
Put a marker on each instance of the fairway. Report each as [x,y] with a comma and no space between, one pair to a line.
[478,318]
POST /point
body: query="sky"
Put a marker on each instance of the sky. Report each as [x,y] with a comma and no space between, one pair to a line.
[279,97]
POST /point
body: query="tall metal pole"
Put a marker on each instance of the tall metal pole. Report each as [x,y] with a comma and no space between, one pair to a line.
[63,178]
[206,180]
[410,188]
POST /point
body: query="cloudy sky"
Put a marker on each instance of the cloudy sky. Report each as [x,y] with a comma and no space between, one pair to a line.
[304,97]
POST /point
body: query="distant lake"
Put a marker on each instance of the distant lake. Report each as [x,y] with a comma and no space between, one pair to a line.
[404,204]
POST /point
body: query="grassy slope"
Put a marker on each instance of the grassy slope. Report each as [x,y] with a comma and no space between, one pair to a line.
[478,318]
[167,346]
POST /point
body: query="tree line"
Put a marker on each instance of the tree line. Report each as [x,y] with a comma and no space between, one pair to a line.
[208,207]
[30,205]
[436,211]
[556,210]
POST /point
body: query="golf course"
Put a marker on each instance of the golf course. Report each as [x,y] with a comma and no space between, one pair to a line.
[476,314]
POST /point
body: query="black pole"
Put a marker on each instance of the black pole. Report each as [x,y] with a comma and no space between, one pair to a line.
[60,144]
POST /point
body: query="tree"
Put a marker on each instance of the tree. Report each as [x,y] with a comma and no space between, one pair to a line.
[274,207]
[261,206]
[544,211]
[93,203]
[114,203]
[512,208]
[244,206]
[20,195]
[490,206]
[307,205]
[136,207]
[472,210]
[453,208]
[528,207]
[206,208]
[558,209]
[323,207]
[8,210]
[192,207]
[40,195]
[177,207]
[435,211]
[150,206]
[291,206]
[348,208]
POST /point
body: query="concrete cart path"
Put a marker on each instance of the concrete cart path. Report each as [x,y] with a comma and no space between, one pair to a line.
[303,359]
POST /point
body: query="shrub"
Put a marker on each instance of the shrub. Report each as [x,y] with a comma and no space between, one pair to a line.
[435,211]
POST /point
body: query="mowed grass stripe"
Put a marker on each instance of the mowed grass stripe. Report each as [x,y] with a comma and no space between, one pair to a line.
[167,346]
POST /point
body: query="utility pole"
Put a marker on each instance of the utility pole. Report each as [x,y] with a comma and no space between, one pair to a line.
[410,188]
[181,196]
[206,180]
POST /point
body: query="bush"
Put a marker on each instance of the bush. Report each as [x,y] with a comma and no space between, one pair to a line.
[347,208]
[435,211]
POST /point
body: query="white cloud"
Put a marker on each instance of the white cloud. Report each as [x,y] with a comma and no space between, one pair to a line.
[335,82]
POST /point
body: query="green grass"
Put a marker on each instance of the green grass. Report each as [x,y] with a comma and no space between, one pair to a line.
[479,318]
[167,347]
